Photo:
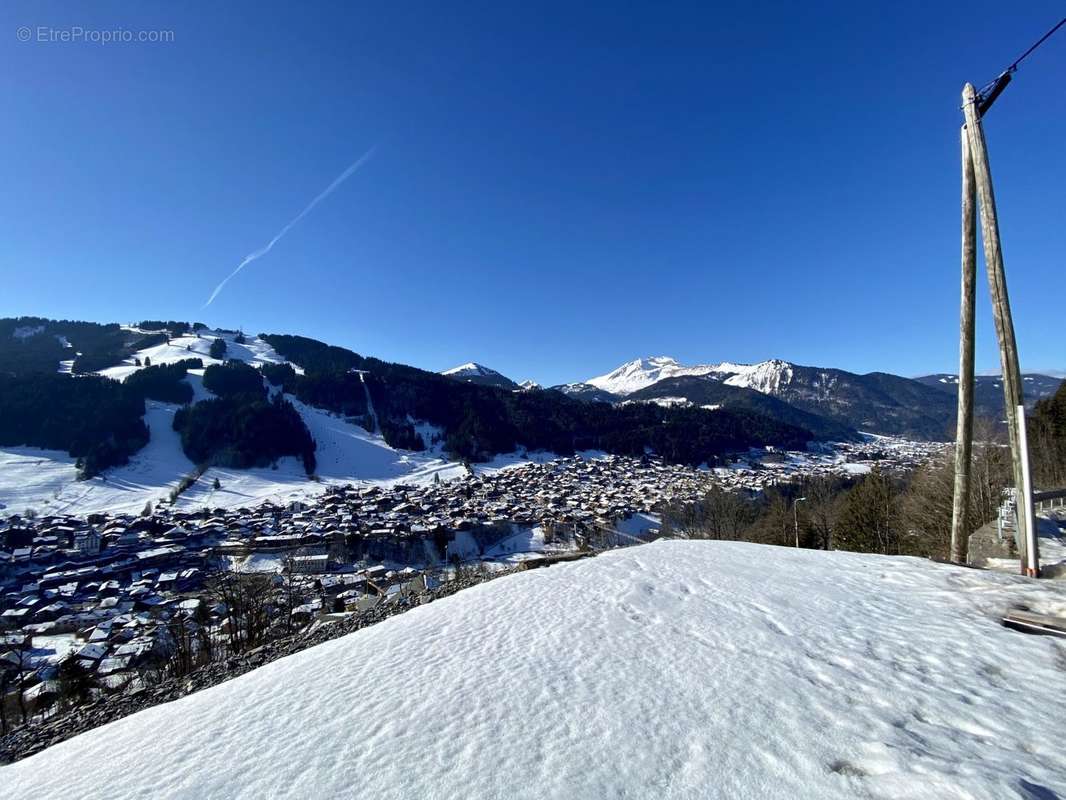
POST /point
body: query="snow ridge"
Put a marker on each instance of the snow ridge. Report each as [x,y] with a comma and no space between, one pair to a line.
[471,368]
[768,377]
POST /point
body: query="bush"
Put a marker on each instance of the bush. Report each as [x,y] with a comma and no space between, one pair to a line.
[218,349]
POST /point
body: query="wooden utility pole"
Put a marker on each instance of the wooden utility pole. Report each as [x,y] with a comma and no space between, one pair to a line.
[960,516]
[1031,560]
[997,284]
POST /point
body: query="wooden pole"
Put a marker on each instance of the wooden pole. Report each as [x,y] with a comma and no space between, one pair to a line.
[964,420]
[1031,564]
[997,284]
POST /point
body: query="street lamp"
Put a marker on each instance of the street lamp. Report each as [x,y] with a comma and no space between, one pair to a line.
[795,518]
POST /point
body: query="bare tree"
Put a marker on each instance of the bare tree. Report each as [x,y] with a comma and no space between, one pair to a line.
[248,598]
[7,678]
[820,509]
[720,514]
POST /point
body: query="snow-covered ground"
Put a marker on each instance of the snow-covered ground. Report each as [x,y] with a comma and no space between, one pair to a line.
[253,351]
[671,670]
[1051,528]
[46,480]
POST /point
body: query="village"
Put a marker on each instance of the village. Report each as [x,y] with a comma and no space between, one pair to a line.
[128,598]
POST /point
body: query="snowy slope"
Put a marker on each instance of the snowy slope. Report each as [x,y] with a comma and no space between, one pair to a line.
[468,370]
[672,670]
[639,373]
[253,351]
[46,480]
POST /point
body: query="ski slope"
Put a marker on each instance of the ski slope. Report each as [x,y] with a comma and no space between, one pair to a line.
[46,480]
[253,351]
[671,670]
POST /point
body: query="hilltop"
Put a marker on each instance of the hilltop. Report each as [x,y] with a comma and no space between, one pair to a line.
[675,669]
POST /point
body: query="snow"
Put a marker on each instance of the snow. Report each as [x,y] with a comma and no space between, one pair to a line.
[46,480]
[26,331]
[51,649]
[1051,528]
[643,372]
[670,670]
[346,453]
[254,351]
[469,369]
[766,376]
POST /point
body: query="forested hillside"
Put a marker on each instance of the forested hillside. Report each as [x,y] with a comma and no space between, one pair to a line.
[481,421]
[96,420]
[708,391]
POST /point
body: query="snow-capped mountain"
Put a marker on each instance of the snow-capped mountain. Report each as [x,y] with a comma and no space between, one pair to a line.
[875,402]
[766,376]
[473,372]
[641,373]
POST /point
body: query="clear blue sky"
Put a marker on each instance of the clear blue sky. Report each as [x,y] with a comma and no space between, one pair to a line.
[556,188]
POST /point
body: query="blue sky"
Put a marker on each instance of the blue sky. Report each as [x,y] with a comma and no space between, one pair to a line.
[555,188]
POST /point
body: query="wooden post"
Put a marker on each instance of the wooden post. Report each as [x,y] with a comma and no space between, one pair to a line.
[997,284]
[1031,564]
[964,421]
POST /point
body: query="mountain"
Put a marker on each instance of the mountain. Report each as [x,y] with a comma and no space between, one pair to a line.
[677,669]
[586,392]
[96,417]
[481,375]
[641,373]
[706,391]
[988,390]
[876,402]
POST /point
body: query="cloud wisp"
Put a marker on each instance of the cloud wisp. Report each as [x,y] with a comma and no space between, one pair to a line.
[262,251]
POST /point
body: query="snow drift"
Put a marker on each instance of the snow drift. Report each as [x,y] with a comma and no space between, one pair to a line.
[676,669]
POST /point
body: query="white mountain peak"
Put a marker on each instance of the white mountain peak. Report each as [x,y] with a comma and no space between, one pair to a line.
[765,376]
[470,368]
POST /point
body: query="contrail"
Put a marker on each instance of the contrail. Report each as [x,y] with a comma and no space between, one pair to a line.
[262,251]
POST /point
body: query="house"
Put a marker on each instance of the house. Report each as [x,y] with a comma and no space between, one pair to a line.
[311,564]
[87,542]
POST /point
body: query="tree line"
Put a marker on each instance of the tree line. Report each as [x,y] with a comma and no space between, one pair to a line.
[94,419]
[880,513]
[241,427]
[480,422]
